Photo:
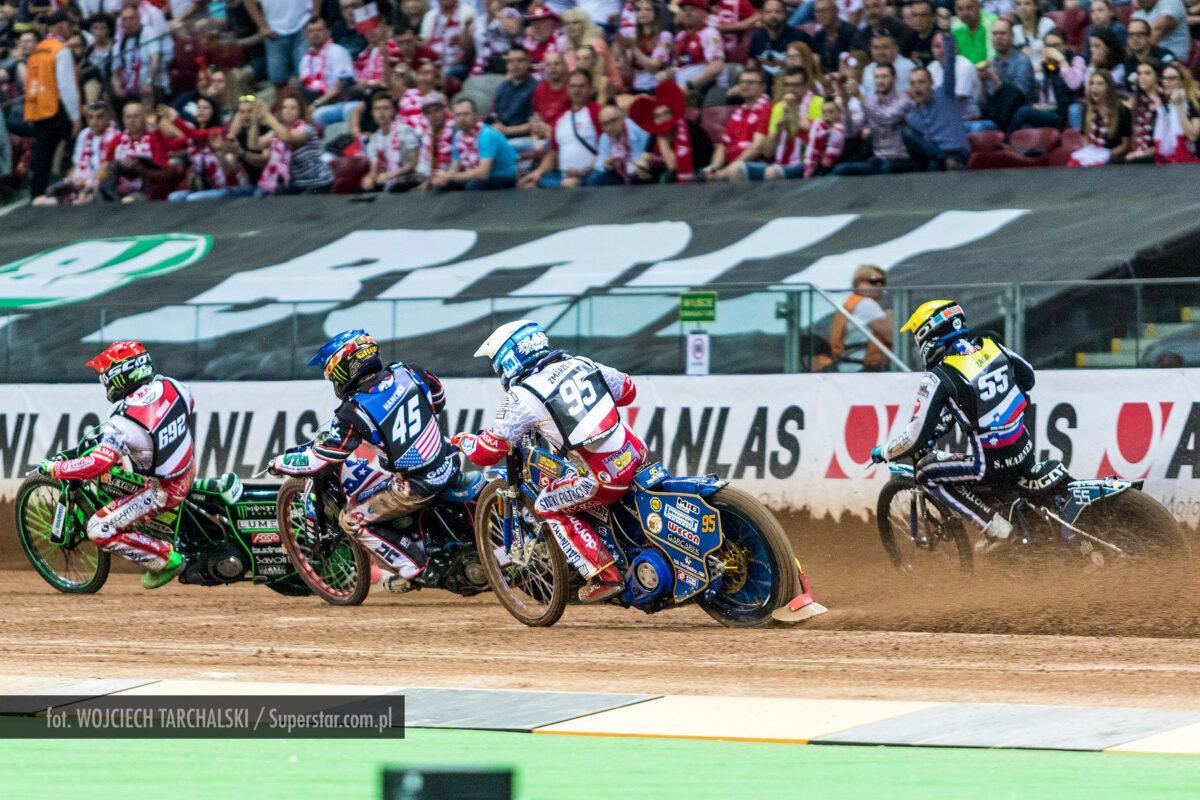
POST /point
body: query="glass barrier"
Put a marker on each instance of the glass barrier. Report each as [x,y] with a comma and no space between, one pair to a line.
[757,330]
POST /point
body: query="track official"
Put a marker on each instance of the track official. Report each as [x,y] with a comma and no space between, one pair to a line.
[51,99]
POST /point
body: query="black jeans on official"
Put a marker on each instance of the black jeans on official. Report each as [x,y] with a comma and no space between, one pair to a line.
[47,134]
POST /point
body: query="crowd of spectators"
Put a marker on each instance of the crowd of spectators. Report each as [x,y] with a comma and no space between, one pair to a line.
[129,100]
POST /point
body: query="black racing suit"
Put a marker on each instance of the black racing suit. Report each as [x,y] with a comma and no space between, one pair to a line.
[983,385]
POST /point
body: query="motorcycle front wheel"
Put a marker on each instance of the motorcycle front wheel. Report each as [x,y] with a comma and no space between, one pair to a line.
[923,544]
[335,567]
[78,565]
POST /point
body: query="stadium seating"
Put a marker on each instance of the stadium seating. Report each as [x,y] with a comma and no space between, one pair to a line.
[1040,139]
[348,174]
[986,141]
[713,121]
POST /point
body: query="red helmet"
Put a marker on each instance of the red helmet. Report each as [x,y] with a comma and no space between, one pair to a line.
[123,367]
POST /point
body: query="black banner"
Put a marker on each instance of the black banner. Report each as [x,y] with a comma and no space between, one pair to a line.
[247,289]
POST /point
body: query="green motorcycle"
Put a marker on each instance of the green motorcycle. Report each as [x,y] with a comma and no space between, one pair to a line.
[226,530]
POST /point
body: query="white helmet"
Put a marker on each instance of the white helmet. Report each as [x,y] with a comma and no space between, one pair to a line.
[514,347]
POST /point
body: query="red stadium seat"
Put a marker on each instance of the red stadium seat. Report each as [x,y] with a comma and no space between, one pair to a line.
[184,68]
[741,53]
[1124,14]
[1194,58]
[225,55]
[1043,139]
[986,141]
[348,174]
[713,121]
[1059,156]
[1072,138]
[1075,24]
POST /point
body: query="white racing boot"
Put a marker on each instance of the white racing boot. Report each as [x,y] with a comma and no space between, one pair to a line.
[996,534]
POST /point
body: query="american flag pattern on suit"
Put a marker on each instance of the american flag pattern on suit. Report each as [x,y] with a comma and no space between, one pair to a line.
[427,445]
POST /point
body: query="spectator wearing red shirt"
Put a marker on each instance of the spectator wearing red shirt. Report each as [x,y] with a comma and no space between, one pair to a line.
[745,132]
[732,18]
[550,99]
[136,157]
[574,140]
[699,57]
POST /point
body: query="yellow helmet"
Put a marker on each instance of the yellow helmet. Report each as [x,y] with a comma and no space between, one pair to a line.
[932,324]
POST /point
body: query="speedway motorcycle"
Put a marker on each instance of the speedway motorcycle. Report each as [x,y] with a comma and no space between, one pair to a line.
[225,529]
[676,540]
[1094,524]
[338,568]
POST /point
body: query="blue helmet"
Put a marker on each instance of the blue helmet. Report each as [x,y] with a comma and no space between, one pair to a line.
[349,358]
[515,347]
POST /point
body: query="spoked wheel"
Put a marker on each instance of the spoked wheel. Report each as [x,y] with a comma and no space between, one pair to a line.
[78,565]
[532,579]
[926,541]
[334,566]
[760,567]
[1138,524]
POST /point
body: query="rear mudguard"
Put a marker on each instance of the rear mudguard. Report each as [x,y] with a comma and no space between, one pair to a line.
[1081,494]
[655,476]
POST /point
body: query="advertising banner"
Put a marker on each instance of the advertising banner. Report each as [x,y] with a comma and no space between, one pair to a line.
[797,441]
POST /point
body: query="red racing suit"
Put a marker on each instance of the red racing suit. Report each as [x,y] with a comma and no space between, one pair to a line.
[573,403]
[152,429]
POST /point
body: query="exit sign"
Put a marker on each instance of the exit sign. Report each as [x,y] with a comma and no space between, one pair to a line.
[698,307]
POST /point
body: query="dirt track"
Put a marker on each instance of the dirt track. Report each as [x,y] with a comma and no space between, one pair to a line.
[1052,638]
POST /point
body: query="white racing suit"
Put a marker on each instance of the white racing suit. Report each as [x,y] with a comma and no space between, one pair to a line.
[983,385]
[395,417]
[572,402]
[151,429]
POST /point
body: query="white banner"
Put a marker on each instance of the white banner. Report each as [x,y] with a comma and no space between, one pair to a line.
[797,441]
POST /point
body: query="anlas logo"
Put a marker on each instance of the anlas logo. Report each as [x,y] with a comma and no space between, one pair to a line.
[1139,430]
[866,427]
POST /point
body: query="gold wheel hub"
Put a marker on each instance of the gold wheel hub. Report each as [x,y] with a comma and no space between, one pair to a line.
[737,565]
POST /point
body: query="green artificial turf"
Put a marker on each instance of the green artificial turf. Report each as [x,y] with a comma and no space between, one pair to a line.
[553,767]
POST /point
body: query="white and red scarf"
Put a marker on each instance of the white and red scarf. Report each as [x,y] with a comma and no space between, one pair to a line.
[391,158]
[681,145]
[277,174]
[313,67]
[369,64]
[130,72]
[538,50]
[128,147]
[445,38]
[467,144]
[1171,145]
[436,155]
[91,154]
[825,143]
[1143,122]
[628,22]
[410,108]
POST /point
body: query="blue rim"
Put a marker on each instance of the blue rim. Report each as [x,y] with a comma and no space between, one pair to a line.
[749,601]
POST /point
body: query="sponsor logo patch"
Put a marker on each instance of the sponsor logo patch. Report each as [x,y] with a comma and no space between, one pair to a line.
[265,538]
[257,525]
[654,523]
[655,504]
[678,517]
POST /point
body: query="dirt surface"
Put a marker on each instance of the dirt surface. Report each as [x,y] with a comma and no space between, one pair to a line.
[1051,637]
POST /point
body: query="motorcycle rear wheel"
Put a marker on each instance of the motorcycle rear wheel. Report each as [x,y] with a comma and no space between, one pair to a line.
[768,574]
[1138,524]
[335,567]
[534,593]
[951,550]
[77,567]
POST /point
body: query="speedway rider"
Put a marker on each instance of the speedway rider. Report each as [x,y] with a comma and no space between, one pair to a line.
[572,401]
[393,411]
[983,386]
[151,428]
